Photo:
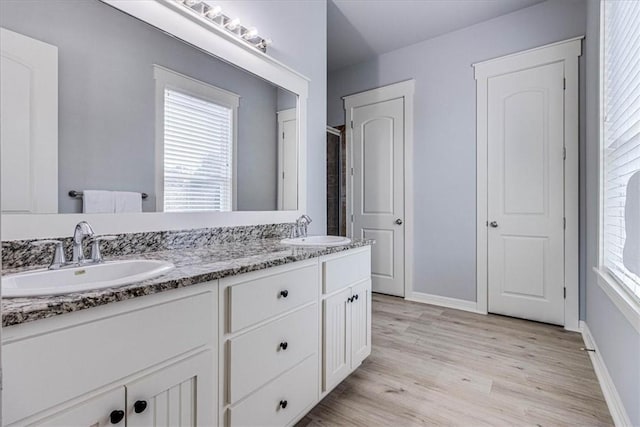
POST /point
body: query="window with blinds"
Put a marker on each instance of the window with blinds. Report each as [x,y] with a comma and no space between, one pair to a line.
[621,142]
[198,150]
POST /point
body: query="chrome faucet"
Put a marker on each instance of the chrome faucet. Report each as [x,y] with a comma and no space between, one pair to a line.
[82,230]
[300,229]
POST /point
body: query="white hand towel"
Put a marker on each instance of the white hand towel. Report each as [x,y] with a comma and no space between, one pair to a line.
[98,201]
[128,202]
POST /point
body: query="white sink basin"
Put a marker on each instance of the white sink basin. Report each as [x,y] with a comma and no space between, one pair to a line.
[317,241]
[84,278]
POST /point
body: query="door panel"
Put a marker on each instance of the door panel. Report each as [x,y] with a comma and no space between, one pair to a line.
[360,323]
[28,124]
[337,337]
[377,166]
[526,199]
[178,395]
[378,189]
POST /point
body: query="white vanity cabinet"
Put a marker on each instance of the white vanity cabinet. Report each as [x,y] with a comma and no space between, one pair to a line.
[82,368]
[255,349]
[289,334]
[167,397]
[270,345]
[346,315]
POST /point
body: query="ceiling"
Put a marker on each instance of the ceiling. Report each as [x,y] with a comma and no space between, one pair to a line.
[361,29]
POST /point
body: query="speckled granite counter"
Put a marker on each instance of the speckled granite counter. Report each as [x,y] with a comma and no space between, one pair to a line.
[193,266]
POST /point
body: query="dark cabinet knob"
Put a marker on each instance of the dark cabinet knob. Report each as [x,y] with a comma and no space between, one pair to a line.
[283,404]
[356,296]
[284,345]
[284,293]
[116,416]
[349,299]
[139,406]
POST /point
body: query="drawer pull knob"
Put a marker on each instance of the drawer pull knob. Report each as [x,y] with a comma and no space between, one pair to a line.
[284,293]
[356,296]
[139,406]
[284,345]
[283,404]
[116,416]
[350,299]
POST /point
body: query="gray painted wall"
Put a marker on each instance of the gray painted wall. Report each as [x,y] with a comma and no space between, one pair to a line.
[444,134]
[299,33]
[617,340]
[107,100]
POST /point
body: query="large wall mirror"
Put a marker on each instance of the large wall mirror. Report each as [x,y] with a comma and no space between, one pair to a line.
[105,113]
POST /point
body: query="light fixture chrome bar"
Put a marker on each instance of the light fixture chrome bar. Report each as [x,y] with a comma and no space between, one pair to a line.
[231,25]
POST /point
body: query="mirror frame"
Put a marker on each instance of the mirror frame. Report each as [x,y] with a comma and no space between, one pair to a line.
[174,19]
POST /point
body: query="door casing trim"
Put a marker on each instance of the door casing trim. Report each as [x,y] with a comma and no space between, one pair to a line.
[567,52]
[404,89]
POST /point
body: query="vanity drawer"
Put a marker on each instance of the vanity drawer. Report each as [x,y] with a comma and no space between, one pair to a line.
[298,388]
[344,270]
[260,355]
[255,300]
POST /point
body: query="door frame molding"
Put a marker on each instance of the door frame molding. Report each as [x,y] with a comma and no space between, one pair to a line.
[403,89]
[567,52]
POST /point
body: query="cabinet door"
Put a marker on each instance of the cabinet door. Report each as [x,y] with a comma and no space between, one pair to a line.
[360,322]
[95,412]
[177,395]
[337,338]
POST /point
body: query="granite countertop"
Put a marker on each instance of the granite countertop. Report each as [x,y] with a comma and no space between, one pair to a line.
[193,266]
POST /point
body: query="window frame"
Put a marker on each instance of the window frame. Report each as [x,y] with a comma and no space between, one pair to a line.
[619,293]
[169,79]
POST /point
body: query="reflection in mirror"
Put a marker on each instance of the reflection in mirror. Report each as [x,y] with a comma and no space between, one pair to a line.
[99,108]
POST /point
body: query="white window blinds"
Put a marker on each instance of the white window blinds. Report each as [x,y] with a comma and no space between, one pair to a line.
[621,144]
[198,149]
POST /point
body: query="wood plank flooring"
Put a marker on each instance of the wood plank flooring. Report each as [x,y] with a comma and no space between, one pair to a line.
[437,366]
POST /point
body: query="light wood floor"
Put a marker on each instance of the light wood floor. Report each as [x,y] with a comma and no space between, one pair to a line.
[438,366]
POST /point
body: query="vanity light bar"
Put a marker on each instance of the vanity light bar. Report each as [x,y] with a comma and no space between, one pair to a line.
[231,25]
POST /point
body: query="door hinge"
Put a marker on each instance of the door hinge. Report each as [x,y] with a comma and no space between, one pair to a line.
[564,153]
[565,293]
[351,217]
[351,124]
[282,135]
[564,223]
[282,175]
[351,171]
[564,83]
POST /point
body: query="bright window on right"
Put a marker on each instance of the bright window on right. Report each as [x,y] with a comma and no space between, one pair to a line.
[620,173]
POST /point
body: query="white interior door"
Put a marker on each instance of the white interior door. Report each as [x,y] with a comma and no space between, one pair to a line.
[378,189]
[525,194]
[287,160]
[28,124]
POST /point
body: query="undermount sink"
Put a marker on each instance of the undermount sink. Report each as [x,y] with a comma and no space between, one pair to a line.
[82,278]
[317,241]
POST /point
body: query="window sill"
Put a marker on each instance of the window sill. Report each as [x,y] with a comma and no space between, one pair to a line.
[627,305]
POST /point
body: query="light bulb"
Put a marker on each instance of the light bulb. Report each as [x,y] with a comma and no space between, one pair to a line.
[233,24]
[213,12]
[251,33]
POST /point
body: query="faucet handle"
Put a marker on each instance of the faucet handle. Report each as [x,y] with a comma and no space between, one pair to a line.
[96,256]
[58,255]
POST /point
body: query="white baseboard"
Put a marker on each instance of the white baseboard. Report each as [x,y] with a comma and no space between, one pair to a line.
[458,304]
[618,413]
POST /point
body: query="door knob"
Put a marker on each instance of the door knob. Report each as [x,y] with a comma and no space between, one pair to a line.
[139,406]
[493,224]
[116,416]
[398,221]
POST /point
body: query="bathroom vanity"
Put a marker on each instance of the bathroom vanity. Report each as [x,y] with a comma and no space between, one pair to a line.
[253,333]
